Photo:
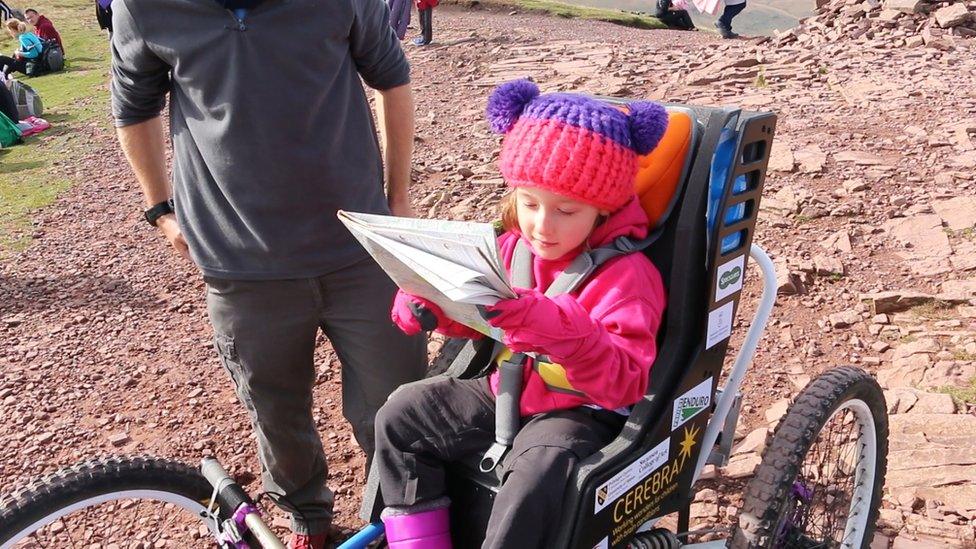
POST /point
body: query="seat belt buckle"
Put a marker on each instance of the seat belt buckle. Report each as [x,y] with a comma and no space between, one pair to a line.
[492,457]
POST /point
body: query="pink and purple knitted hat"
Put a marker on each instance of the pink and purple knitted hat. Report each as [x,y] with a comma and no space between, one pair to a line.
[573,145]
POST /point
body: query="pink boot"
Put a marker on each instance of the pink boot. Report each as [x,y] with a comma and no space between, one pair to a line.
[423,530]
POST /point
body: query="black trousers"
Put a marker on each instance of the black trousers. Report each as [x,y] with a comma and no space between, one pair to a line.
[427,424]
[678,19]
[8,105]
[729,13]
[13,64]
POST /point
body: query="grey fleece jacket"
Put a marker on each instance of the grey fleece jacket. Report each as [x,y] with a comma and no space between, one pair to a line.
[271,128]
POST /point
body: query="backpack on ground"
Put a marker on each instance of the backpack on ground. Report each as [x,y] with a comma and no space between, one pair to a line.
[9,132]
[50,60]
[28,101]
[53,56]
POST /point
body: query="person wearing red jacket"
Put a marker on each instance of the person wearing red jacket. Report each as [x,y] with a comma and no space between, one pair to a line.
[43,27]
[425,8]
[571,161]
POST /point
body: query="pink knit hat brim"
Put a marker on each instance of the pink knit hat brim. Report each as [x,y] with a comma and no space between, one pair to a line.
[570,161]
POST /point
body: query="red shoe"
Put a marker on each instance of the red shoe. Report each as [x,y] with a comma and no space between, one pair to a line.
[304,541]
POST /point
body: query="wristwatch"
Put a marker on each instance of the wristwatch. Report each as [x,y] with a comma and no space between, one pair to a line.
[159,210]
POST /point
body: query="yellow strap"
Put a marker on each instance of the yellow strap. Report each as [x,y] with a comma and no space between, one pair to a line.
[554,375]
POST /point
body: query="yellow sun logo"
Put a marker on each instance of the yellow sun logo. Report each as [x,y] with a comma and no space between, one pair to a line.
[688,442]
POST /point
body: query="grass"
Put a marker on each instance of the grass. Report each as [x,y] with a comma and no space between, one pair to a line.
[963,396]
[963,356]
[568,11]
[934,310]
[761,79]
[73,98]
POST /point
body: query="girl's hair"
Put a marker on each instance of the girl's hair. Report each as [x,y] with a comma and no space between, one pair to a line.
[17,26]
[509,211]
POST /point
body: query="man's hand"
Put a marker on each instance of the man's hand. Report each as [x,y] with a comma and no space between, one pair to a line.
[171,230]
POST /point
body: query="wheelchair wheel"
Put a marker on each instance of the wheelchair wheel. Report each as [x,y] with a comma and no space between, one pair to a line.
[111,502]
[820,480]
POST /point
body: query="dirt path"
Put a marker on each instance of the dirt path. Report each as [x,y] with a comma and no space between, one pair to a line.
[106,346]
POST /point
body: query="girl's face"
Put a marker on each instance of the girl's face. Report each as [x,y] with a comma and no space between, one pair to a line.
[553,224]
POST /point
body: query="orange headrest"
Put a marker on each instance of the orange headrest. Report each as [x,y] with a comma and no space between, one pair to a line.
[659,171]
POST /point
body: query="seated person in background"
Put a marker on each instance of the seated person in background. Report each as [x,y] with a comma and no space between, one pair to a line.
[43,27]
[674,14]
[30,48]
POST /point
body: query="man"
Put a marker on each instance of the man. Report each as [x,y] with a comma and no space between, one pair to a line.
[272,134]
[724,23]
[43,27]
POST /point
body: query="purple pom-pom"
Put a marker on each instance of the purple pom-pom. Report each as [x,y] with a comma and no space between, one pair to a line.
[507,102]
[648,121]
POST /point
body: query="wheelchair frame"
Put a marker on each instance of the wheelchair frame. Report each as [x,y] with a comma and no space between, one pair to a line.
[649,470]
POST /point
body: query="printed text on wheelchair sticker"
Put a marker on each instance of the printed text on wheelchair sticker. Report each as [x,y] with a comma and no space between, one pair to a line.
[728,277]
[643,501]
[631,475]
[691,403]
[719,324]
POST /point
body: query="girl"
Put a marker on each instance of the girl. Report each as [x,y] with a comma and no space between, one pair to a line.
[571,161]
[30,48]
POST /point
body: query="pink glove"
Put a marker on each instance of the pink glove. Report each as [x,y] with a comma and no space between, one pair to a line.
[412,314]
[535,323]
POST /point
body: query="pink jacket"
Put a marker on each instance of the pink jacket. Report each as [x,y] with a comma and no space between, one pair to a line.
[603,333]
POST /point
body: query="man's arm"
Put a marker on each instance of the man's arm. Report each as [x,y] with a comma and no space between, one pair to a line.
[394,109]
[144,145]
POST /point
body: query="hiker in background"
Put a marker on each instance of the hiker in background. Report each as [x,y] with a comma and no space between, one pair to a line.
[30,47]
[724,23]
[425,8]
[400,16]
[674,14]
[103,13]
[43,27]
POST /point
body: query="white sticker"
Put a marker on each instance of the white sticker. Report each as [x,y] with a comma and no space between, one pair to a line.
[692,403]
[604,543]
[719,324]
[728,278]
[631,475]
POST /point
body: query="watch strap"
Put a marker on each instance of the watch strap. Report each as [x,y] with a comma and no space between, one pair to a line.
[159,210]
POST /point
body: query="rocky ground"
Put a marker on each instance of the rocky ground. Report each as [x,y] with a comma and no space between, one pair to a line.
[869,212]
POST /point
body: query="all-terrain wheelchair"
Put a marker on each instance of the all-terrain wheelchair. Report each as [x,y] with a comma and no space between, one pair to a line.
[818,485]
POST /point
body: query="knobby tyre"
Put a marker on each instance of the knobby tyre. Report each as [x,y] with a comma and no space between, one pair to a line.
[820,480]
[111,500]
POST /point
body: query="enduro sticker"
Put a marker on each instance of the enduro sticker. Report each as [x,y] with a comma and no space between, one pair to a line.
[692,403]
[728,277]
[719,324]
[631,475]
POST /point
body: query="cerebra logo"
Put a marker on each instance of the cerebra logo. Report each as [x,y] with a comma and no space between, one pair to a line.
[691,403]
[729,278]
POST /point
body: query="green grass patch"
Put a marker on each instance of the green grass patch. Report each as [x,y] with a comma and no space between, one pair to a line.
[559,9]
[73,99]
[964,396]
